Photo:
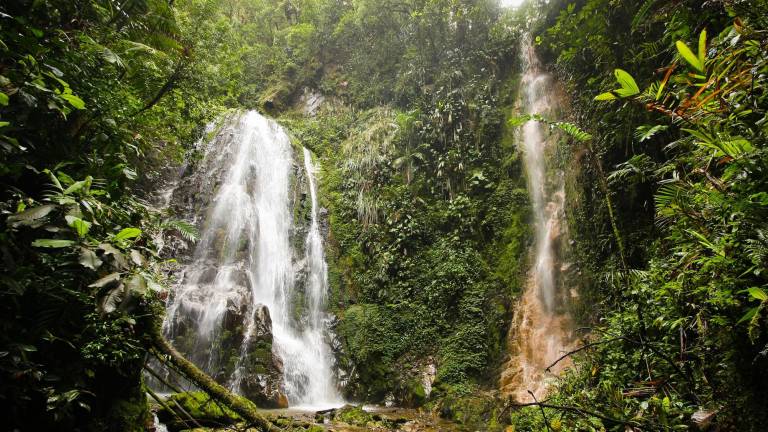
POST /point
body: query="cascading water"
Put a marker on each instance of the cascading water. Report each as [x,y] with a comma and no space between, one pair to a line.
[540,330]
[238,298]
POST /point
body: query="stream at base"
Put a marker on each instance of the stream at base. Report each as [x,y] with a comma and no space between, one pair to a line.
[385,419]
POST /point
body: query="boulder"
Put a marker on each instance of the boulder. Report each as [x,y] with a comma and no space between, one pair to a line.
[263,381]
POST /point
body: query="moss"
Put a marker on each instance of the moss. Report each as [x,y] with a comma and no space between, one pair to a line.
[353,415]
[276,97]
[129,415]
[415,395]
[206,411]
[472,409]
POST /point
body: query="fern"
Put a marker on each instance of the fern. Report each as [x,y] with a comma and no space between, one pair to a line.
[574,131]
[642,14]
[568,128]
[638,167]
[646,132]
[187,230]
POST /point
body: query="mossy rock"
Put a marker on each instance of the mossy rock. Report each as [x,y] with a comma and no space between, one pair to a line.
[133,414]
[353,415]
[206,412]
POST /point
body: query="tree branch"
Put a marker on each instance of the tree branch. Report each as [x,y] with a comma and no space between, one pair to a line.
[589,345]
[241,406]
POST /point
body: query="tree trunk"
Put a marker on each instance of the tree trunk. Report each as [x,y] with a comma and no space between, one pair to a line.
[241,406]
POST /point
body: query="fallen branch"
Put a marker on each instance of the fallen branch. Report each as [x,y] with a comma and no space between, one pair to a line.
[543,414]
[582,348]
[241,406]
[165,405]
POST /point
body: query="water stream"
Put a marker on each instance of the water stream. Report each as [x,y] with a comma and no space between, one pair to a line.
[244,279]
[539,334]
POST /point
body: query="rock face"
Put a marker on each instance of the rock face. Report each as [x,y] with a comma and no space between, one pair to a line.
[253,198]
[191,196]
[264,382]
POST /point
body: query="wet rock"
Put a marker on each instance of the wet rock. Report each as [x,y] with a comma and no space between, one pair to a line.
[263,382]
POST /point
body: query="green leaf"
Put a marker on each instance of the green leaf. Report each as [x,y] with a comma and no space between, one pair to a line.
[106,280]
[186,229]
[627,83]
[758,293]
[128,233]
[89,259]
[53,178]
[73,100]
[749,315]
[4,124]
[689,56]
[706,243]
[76,186]
[606,96]
[26,348]
[29,216]
[80,226]
[52,243]
[644,133]
[3,99]
[120,261]
[110,302]
[703,48]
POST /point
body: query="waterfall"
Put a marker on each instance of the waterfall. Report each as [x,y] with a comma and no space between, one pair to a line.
[239,311]
[308,358]
[539,334]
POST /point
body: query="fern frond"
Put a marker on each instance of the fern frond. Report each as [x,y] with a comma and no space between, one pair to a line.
[187,230]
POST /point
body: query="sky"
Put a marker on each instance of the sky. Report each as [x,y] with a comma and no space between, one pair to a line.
[511,3]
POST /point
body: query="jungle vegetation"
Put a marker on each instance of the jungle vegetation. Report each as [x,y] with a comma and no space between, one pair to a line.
[665,104]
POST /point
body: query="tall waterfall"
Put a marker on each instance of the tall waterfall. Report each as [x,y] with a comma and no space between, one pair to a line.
[238,311]
[539,334]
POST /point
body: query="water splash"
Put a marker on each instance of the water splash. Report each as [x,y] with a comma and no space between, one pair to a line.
[245,265]
[539,333]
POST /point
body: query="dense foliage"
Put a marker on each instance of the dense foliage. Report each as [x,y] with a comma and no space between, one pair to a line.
[428,215]
[90,110]
[682,328]
[426,209]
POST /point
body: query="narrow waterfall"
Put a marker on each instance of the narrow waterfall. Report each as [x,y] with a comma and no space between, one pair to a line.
[539,334]
[239,311]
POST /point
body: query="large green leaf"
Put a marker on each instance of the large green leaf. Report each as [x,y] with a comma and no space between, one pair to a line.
[120,261]
[89,259]
[52,243]
[76,186]
[137,285]
[689,56]
[112,299]
[80,226]
[29,216]
[138,258]
[758,294]
[628,85]
[128,233]
[73,100]
[106,280]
